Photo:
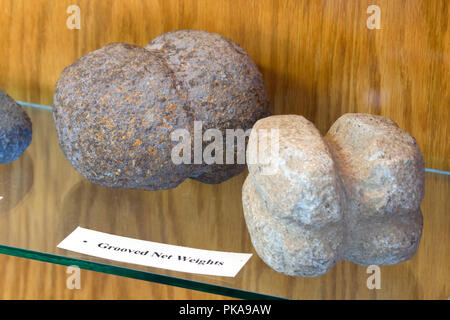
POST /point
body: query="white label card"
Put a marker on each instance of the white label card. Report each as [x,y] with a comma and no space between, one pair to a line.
[154,254]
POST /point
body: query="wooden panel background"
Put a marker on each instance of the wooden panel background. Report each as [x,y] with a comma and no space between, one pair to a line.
[318,57]
[28,279]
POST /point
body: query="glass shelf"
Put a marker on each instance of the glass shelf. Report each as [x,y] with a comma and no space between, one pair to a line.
[45,199]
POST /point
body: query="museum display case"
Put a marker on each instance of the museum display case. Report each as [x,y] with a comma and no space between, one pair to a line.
[319,59]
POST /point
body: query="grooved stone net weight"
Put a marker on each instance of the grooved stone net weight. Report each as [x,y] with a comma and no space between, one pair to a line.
[353,195]
[116,107]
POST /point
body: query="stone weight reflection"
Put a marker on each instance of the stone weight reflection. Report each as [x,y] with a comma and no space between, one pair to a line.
[189,215]
[353,195]
[16,180]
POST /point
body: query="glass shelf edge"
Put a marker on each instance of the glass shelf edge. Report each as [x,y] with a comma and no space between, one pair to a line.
[136,274]
[35,105]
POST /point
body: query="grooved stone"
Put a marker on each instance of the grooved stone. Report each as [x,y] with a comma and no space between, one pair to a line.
[354,194]
[15,129]
[115,108]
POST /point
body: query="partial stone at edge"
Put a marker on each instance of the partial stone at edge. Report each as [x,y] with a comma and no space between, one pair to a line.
[15,129]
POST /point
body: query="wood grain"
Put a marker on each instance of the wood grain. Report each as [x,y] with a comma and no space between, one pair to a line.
[318,58]
[23,279]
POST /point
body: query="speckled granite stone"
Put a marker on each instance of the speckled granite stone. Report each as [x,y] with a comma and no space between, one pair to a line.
[15,129]
[354,194]
[115,108]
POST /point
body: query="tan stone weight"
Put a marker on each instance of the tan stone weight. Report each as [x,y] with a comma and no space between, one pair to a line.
[384,177]
[286,245]
[354,195]
[295,214]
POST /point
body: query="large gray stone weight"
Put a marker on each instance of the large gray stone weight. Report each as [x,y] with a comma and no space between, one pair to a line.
[116,107]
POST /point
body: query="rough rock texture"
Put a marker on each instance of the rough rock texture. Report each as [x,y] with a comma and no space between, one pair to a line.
[115,108]
[354,194]
[223,86]
[383,172]
[15,129]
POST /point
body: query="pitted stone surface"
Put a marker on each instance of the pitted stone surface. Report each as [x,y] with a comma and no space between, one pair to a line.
[383,172]
[15,129]
[354,194]
[115,108]
[223,86]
